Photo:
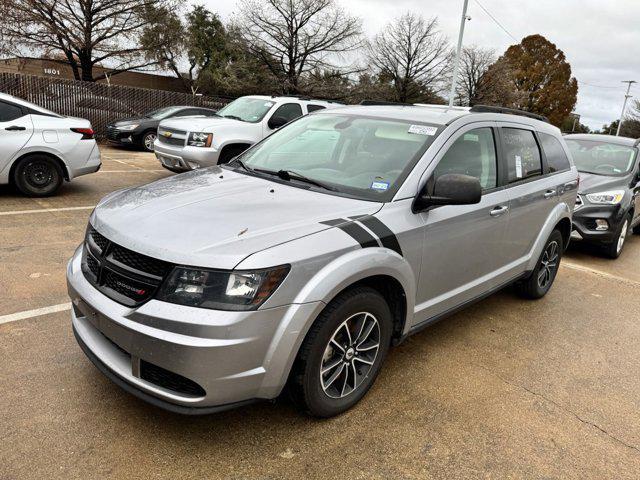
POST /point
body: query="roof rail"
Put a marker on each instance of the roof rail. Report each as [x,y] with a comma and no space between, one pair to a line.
[508,111]
[384,102]
[306,98]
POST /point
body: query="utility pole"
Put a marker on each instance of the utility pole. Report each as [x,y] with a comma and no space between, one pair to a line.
[624,105]
[456,64]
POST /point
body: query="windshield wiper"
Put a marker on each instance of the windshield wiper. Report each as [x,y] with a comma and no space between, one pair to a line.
[233,117]
[289,175]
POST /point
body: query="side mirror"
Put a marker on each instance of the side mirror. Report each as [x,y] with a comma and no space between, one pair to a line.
[449,189]
[276,122]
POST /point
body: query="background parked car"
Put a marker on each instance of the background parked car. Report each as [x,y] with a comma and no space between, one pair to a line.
[40,148]
[141,131]
[608,204]
[183,146]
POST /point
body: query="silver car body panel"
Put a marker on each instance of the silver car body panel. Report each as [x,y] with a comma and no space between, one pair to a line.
[225,219]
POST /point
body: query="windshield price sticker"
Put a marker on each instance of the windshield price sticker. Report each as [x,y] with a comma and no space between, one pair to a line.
[423,130]
[380,186]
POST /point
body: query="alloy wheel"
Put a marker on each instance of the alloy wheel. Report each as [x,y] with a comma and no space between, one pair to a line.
[149,139]
[623,236]
[548,264]
[350,355]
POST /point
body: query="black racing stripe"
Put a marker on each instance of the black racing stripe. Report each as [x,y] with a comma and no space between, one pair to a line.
[387,237]
[355,231]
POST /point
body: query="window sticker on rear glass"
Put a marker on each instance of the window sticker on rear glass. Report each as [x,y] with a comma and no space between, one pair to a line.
[518,166]
[382,186]
[423,130]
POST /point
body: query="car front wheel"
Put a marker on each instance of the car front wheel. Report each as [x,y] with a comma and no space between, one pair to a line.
[38,176]
[343,352]
[614,249]
[147,141]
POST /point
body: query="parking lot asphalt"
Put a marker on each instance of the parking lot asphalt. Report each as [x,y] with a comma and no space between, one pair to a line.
[504,389]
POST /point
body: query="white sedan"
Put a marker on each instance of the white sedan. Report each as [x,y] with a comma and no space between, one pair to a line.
[40,149]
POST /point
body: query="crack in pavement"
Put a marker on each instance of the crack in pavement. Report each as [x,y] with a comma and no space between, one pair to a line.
[561,407]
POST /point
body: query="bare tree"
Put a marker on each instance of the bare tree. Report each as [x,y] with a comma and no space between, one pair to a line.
[413,53]
[474,63]
[295,37]
[84,32]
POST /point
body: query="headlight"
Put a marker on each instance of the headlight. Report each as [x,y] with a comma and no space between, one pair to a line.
[200,139]
[606,198]
[221,290]
[129,127]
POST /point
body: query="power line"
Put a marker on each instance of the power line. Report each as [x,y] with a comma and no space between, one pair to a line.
[580,82]
[496,20]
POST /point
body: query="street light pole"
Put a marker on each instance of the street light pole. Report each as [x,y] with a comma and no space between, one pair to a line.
[624,105]
[456,64]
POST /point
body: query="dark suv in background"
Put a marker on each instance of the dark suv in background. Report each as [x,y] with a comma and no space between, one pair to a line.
[608,203]
[141,131]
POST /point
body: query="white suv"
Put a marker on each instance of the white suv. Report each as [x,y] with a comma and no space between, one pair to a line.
[187,144]
[40,148]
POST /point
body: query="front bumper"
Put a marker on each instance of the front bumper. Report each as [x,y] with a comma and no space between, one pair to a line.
[178,157]
[584,223]
[235,357]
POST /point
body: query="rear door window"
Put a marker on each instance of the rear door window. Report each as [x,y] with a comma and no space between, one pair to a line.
[312,108]
[556,156]
[521,153]
[9,112]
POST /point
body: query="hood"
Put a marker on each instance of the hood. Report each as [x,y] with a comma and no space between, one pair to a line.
[201,124]
[215,218]
[591,183]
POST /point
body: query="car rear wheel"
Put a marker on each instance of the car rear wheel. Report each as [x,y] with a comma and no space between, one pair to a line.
[614,249]
[148,139]
[342,353]
[38,176]
[539,282]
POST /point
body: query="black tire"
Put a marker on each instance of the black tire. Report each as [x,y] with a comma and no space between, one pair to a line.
[614,249]
[305,384]
[541,279]
[38,176]
[147,139]
[229,153]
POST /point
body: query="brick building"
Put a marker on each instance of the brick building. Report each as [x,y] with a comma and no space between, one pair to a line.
[60,69]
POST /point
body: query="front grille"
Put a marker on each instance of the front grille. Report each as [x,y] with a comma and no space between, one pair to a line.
[112,132]
[123,275]
[171,136]
[169,380]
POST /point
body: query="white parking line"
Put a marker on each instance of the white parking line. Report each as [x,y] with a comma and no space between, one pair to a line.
[34,313]
[46,210]
[600,273]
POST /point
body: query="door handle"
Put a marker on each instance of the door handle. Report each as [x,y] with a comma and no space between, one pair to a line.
[570,185]
[497,211]
[549,193]
[15,128]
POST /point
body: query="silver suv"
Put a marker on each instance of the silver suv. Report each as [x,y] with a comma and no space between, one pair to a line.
[186,144]
[303,260]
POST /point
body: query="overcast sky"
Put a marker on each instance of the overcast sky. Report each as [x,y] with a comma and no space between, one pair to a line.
[600,38]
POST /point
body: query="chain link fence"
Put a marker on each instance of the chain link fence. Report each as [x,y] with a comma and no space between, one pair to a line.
[97,102]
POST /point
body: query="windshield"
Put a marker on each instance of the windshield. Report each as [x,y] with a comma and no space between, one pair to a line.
[162,112]
[601,158]
[363,157]
[247,109]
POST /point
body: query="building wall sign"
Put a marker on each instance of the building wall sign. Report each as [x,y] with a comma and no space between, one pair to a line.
[51,71]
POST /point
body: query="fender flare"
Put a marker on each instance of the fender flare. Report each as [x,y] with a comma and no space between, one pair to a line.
[325,285]
[560,212]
